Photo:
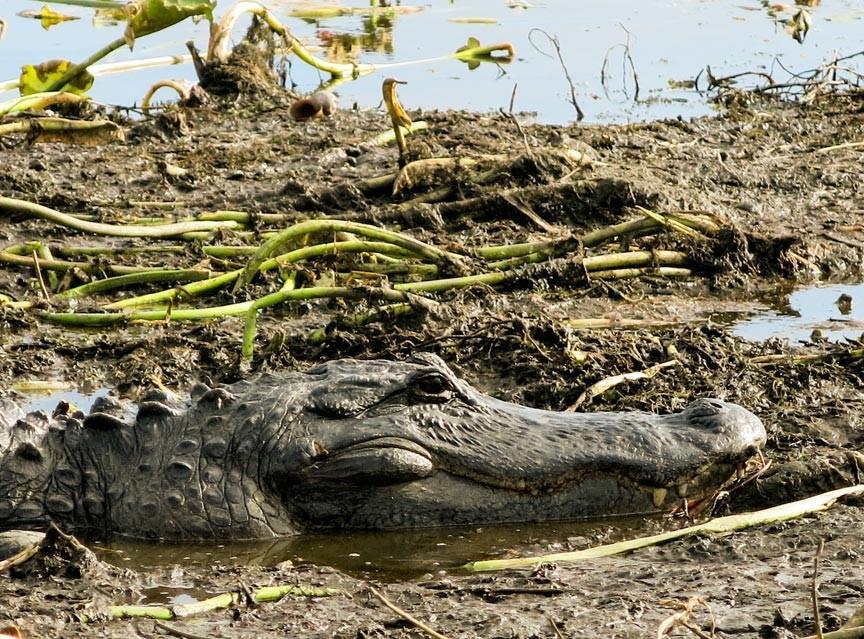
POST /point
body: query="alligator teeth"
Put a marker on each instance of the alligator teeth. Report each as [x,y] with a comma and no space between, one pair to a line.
[659,496]
[683,489]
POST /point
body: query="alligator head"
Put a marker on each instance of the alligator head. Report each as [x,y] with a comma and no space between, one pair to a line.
[359,444]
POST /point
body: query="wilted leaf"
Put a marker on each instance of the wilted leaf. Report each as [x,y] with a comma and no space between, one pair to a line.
[799,25]
[108,16]
[394,107]
[148,16]
[39,101]
[85,132]
[36,78]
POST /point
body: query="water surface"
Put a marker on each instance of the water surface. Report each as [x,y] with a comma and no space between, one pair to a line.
[671,41]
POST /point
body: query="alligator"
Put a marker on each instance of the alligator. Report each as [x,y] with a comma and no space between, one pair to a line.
[352,444]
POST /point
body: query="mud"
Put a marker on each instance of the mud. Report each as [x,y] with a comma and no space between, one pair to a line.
[790,208]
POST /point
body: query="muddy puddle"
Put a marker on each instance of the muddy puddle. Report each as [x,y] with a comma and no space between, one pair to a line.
[387,556]
[797,314]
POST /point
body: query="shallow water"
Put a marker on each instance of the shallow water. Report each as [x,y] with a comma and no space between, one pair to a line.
[794,314]
[380,555]
[670,41]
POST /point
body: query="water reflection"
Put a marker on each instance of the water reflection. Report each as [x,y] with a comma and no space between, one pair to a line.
[391,556]
[376,37]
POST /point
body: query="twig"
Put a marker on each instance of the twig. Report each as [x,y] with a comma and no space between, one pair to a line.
[555,628]
[557,45]
[407,617]
[603,385]
[39,276]
[627,58]
[837,147]
[525,209]
[683,619]
[176,632]
[512,117]
[20,557]
[814,593]
[698,631]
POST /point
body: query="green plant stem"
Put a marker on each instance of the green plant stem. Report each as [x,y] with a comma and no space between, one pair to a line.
[510,250]
[630,273]
[634,258]
[275,243]
[62,265]
[378,183]
[107,284]
[63,80]
[69,221]
[436,286]
[93,320]
[607,233]
[250,328]
[189,290]
[212,251]
[268,594]
[423,270]
[389,136]
[197,288]
[44,253]
[600,263]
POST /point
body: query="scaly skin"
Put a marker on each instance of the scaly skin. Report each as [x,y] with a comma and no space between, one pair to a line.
[353,444]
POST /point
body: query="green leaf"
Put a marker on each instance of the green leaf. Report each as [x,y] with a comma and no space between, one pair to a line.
[36,78]
[148,16]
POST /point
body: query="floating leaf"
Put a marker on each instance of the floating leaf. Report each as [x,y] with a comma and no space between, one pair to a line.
[473,20]
[47,16]
[148,16]
[473,53]
[799,25]
[37,78]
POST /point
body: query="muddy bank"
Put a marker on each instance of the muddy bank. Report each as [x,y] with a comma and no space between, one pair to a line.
[784,193]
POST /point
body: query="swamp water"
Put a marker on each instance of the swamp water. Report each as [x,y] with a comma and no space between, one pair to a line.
[670,43]
[834,311]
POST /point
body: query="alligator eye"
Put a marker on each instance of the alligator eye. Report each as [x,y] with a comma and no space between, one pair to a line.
[436,387]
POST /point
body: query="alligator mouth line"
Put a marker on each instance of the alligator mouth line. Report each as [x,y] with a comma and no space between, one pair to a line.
[698,487]
[379,443]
